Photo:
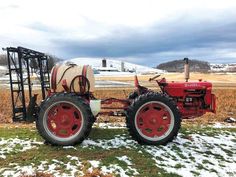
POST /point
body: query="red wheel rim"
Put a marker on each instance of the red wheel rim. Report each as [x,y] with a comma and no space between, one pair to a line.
[64,120]
[154,120]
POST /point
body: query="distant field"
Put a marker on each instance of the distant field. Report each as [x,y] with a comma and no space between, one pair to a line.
[226,104]
[219,80]
[213,77]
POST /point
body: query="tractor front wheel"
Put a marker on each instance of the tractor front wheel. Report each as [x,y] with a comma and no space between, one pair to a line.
[153,118]
[64,119]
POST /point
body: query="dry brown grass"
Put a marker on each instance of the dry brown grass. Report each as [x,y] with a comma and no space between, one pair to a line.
[94,173]
[6,105]
[226,107]
[226,104]
[212,77]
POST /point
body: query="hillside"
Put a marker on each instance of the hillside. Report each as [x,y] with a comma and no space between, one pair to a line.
[178,66]
[115,66]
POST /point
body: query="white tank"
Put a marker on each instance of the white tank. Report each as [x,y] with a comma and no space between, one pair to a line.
[68,72]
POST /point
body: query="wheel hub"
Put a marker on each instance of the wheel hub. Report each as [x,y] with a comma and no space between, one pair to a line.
[153,120]
[64,120]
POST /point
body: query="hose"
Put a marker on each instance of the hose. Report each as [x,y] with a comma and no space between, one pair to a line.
[63,74]
[87,83]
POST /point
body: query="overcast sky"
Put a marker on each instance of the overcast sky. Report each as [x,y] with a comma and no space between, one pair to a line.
[141,31]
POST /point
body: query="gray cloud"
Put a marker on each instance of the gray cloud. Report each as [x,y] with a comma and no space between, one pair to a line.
[175,39]
[212,39]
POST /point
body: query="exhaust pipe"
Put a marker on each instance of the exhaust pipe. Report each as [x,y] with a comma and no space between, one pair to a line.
[186,69]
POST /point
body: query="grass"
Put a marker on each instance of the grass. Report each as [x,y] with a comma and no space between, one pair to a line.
[142,161]
[144,164]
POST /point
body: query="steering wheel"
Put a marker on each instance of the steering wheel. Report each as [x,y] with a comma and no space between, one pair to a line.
[153,78]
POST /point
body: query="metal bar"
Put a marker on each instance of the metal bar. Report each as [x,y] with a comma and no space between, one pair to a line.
[41,78]
[47,70]
[10,74]
[30,51]
[18,61]
[22,84]
[28,78]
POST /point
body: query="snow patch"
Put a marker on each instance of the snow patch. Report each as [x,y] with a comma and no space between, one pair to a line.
[94,163]
[10,145]
[221,125]
[116,169]
[201,155]
[4,68]
[73,167]
[125,159]
[117,142]
[115,125]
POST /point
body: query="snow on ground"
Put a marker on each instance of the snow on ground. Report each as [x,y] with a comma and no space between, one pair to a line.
[111,84]
[3,68]
[202,153]
[3,71]
[73,167]
[96,63]
[115,125]
[116,169]
[125,159]
[4,81]
[11,145]
[199,156]
[223,125]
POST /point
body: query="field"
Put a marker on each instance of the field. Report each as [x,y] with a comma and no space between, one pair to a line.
[205,146]
[226,104]
[197,151]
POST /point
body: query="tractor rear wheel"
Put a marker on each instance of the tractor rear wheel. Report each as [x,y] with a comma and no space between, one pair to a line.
[64,119]
[153,118]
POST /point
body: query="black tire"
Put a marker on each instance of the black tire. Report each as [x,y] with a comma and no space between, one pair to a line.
[132,110]
[67,98]
[133,95]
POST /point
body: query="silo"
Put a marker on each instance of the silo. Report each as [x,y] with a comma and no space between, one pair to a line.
[122,66]
[104,63]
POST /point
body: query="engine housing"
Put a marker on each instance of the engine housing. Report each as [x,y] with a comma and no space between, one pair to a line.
[193,98]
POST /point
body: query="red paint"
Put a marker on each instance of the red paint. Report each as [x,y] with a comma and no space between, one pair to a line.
[54,78]
[136,82]
[65,86]
[153,120]
[192,98]
[64,120]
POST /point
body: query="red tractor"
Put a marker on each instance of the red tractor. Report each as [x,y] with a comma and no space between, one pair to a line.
[66,116]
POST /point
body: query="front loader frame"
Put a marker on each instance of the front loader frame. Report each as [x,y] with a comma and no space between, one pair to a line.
[20,65]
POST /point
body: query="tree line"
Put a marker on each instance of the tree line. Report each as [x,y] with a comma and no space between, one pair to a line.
[52,60]
[178,66]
